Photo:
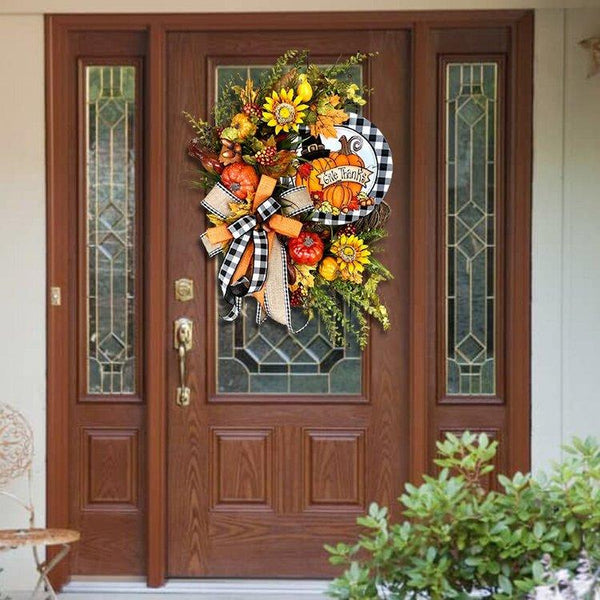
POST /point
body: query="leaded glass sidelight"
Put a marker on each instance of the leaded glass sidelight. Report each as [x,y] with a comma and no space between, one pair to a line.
[471,94]
[110,205]
[268,359]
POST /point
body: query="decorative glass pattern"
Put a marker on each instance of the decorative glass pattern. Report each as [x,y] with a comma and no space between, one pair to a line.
[110,161]
[470,155]
[268,359]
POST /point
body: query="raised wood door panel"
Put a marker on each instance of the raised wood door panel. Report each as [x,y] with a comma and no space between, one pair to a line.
[281,473]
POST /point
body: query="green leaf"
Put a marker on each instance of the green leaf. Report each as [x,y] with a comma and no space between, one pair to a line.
[571,525]
[582,509]
[538,530]
[538,571]
[505,584]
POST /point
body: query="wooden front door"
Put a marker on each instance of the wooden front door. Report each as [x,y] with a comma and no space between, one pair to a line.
[286,439]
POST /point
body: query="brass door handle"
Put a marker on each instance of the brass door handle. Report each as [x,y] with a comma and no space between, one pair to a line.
[183,341]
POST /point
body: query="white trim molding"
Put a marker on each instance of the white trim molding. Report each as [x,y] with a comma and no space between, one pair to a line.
[196,589]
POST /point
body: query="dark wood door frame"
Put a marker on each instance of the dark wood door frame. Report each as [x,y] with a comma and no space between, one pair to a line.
[423,417]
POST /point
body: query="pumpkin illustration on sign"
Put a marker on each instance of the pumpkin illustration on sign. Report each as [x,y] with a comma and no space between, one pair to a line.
[339,177]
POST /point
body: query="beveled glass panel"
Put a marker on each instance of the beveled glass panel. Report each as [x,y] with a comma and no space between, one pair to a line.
[268,359]
[471,96]
[110,206]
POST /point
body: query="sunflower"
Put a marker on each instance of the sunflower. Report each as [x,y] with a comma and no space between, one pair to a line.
[351,254]
[283,111]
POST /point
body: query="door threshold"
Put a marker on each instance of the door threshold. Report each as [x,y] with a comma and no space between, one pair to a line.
[192,589]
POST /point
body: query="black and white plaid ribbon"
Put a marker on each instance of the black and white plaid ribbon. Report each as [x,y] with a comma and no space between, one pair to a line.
[245,230]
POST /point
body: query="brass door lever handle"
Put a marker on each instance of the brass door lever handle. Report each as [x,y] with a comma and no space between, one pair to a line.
[183,342]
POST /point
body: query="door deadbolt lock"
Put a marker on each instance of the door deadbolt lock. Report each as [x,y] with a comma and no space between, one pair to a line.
[184,290]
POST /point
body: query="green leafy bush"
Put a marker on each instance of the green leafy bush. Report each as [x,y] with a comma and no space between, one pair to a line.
[458,537]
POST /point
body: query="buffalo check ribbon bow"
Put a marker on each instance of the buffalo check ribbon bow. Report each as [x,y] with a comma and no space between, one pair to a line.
[256,261]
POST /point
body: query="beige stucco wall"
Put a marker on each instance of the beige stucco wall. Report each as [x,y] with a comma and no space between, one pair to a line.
[566,237]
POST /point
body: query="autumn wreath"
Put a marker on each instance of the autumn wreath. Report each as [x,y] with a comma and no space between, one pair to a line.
[295,180]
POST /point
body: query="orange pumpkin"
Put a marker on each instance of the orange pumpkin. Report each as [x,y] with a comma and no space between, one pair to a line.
[339,194]
[241,179]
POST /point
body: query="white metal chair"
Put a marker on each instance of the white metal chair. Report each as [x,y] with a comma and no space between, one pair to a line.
[16,455]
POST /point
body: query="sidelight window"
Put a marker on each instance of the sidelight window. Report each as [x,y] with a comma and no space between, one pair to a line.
[110,192]
[470,222]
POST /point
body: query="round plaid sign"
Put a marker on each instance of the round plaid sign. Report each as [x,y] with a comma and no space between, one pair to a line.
[372,167]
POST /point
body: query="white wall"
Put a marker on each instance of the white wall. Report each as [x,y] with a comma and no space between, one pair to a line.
[566,236]
[547,245]
[566,233]
[22,254]
[581,250]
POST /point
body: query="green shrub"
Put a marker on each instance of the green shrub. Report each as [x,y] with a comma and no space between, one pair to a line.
[458,537]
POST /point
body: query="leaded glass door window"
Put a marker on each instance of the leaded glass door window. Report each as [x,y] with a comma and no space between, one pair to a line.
[112,275]
[268,359]
[470,196]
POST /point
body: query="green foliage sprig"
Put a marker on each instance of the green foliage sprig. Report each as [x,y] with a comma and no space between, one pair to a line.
[204,180]
[370,236]
[293,59]
[228,103]
[204,131]
[457,536]
[364,299]
[338,323]
[341,67]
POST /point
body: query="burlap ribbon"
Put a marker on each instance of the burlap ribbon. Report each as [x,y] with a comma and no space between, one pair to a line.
[256,262]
